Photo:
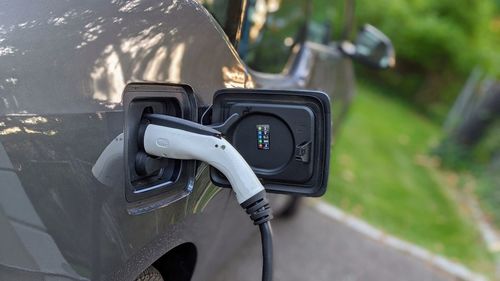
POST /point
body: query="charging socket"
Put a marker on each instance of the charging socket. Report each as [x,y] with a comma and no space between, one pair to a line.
[147,176]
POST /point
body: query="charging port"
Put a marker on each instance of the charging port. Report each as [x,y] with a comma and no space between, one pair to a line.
[148,176]
[150,169]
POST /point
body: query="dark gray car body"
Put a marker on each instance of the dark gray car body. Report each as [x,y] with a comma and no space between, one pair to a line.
[63,69]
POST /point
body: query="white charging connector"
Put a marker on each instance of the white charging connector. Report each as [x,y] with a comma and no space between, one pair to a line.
[171,137]
[210,148]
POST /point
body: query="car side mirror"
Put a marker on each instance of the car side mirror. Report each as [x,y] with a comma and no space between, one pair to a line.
[372,47]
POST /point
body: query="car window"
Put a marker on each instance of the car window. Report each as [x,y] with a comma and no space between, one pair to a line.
[270,29]
[228,13]
[335,15]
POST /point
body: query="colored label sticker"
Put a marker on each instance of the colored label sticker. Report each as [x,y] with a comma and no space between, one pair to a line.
[263,136]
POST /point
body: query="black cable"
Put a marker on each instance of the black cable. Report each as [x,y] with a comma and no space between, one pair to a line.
[266,235]
[260,212]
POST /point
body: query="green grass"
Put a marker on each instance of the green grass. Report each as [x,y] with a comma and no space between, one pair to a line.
[380,172]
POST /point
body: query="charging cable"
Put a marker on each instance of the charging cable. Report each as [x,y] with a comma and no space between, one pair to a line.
[172,137]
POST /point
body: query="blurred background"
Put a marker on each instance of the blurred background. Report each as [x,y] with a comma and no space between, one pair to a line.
[417,151]
[419,154]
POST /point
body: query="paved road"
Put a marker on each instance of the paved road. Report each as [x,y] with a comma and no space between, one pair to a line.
[314,247]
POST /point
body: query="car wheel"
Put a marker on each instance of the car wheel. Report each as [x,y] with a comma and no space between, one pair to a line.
[150,274]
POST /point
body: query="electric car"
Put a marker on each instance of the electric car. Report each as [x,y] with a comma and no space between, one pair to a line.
[79,198]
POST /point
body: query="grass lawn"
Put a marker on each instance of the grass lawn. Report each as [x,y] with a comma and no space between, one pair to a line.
[378,173]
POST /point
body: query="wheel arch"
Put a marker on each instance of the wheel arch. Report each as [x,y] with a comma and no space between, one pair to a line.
[178,263]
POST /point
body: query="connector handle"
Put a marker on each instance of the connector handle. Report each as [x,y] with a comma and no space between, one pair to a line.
[177,143]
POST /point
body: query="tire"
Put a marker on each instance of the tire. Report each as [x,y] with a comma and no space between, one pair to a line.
[150,274]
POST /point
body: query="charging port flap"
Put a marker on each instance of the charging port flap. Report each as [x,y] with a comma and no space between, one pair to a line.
[283,135]
[148,176]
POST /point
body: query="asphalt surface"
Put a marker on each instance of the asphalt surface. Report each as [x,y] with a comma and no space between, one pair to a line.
[312,246]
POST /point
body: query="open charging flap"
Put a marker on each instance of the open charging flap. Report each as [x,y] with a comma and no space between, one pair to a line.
[284,135]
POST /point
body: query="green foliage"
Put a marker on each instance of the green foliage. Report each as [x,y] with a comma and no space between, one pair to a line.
[486,156]
[488,190]
[331,11]
[489,144]
[437,44]
[453,156]
[434,35]
[380,172]
[459,157]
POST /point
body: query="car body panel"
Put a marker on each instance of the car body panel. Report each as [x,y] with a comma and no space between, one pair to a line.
[63,68]
[62,106]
